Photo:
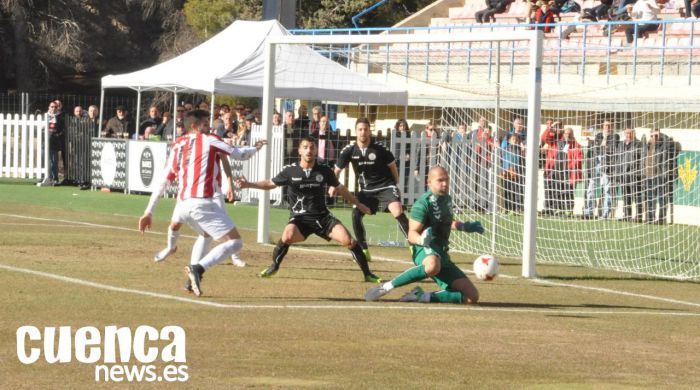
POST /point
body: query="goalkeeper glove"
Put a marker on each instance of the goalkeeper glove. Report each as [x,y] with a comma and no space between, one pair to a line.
[426,238]
[470,227]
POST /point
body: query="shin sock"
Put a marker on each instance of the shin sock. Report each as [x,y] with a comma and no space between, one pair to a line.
[360,258]
[447,296]
[220,253]
[402,220]
[200,249]
[172,237]
[279,252]
[359,228]
[411,275]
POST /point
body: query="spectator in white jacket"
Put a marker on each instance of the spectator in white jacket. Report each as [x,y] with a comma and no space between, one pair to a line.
[643,11]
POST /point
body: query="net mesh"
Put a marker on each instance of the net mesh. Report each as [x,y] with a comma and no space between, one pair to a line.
[601,201]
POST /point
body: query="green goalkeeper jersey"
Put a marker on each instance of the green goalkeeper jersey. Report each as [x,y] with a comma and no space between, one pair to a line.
[436,212]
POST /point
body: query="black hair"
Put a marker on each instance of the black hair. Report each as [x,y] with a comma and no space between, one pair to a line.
[195,117]
[362,120]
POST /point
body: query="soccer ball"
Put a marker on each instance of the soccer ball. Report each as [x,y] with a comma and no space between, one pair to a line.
[485,267]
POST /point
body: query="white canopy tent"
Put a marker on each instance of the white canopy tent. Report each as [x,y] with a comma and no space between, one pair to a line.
[232,63]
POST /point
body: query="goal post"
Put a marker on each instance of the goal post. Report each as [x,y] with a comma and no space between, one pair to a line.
[532,42]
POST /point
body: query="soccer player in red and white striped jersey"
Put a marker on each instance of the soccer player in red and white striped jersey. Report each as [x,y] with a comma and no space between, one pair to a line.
[193,160]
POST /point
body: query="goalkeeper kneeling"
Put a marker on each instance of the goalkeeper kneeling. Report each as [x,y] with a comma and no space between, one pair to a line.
[429,230]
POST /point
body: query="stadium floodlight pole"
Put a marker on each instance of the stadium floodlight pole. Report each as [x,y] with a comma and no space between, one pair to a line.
[531,172]
[268,110]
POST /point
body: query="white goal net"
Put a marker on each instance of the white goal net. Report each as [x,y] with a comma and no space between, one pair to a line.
[474,99]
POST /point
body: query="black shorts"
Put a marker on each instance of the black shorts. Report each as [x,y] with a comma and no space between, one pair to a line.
[378,200]
[321,225]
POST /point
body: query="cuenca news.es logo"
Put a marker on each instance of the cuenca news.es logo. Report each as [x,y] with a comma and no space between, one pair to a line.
[144,355]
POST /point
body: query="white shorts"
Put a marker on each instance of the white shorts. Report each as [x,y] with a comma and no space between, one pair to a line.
[205,216]
[219,198]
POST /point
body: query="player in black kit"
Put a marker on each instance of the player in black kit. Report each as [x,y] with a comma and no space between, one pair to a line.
[375,168]
[307,183]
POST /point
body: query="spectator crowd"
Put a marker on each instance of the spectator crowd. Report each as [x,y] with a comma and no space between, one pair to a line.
[609,167]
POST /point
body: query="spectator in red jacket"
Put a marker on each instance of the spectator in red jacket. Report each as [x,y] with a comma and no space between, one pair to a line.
[545,15]
[549,142]
[564,162]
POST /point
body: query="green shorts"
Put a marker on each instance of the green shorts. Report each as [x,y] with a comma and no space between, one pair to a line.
[449,272]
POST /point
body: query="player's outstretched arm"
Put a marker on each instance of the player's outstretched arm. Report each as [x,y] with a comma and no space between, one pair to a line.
[264,185]
[469,227]
[146,219]
[348,196]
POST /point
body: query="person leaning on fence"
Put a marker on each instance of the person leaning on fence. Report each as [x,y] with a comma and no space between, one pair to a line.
[118,126]
[227,128]
[315,123]
[56,128]
[165,127]
[601,157]
[292,135]
[431,135]
[482,142]
[403,130]
[565,160]
[512,171]
[519,129]
[549,144]
[302,121]
[659,174]
[153,121]
[493,7]
[78,112]
[631,174]
[326,142]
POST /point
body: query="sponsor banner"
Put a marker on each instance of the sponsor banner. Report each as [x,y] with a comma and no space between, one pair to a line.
[146,165]
[688,184]
[108,161]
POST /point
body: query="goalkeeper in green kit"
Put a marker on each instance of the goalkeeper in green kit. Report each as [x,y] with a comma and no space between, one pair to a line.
[429,232]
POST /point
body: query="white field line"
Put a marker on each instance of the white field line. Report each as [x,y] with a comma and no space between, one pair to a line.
[537,281]
[341,306]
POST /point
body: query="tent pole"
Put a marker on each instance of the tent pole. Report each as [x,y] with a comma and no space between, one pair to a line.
[211,110]
[138,113]
[102,105]
[268,108]
[174,114]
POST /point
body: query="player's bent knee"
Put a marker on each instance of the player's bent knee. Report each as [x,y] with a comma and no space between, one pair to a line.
[175,225]
[232,246]
[233,234]
[431,266]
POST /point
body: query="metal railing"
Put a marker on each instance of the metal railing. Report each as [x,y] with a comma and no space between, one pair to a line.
[674,44]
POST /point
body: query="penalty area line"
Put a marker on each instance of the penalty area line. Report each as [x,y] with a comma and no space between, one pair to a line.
[377,306]
[535,281]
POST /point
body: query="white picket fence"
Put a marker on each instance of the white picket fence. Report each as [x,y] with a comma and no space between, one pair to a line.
[22,146]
